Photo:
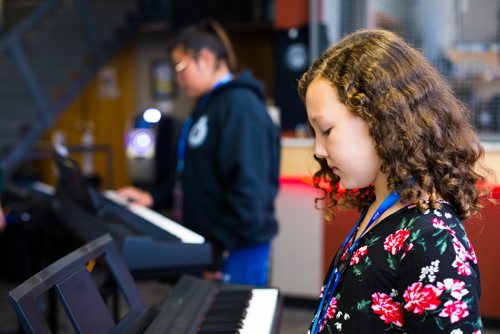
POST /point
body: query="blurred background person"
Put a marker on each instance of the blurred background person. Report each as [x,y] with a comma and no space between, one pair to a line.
[226,176]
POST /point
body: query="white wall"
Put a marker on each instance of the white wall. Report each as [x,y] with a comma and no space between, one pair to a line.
[297,257]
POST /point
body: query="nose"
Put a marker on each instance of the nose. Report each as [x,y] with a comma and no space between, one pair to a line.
[320,149]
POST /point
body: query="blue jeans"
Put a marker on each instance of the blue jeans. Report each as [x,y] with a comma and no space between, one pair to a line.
[248,266]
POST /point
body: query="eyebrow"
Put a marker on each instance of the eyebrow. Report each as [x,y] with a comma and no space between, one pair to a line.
[315,119]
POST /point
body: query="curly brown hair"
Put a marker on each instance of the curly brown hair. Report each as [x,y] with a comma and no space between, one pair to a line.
[422,132]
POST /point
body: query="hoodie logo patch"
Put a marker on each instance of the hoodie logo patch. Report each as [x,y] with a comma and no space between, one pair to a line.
[198,132]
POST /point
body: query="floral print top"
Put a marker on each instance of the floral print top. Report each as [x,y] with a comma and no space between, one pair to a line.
[412,273]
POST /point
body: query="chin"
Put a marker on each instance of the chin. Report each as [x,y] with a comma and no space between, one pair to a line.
[346,185]
[349,184]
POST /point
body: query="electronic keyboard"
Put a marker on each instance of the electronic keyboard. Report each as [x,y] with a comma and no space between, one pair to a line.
[151,244]
[197,306]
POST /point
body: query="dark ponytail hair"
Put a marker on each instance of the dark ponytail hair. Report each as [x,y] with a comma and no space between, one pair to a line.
[207,34]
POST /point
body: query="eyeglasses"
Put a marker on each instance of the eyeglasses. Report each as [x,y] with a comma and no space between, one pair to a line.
[180,66]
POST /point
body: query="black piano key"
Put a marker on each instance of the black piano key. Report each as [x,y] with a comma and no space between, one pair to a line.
[218,319]
[208,312]
[228,308]
[219,328]
[218,331]
[235,316]
[229,305]
[232,293]
[236,295]
[239,299]
[226,313]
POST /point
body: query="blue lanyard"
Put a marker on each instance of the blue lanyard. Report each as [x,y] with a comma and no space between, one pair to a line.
[181,144]
[339,268]
[202,102]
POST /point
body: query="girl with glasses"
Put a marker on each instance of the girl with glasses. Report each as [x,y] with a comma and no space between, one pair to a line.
[226,176]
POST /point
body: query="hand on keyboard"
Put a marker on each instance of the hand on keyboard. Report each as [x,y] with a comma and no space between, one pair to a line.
[212,275]
[136,195]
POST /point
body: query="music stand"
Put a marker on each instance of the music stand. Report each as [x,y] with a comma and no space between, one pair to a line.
[79,294]
[73,184]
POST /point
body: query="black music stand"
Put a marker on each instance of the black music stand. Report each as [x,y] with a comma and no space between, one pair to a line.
[79,294]
[74,184]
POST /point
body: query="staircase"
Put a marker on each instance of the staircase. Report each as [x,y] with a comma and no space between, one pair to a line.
[47,59]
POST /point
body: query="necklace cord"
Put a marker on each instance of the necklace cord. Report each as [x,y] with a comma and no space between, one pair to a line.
[341,262]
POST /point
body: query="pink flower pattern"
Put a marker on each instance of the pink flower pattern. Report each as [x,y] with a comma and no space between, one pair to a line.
[420,298]
[433,278]
[395,242]
[455,310]
[358,254]
[456,287]
[330,312]
[388,310]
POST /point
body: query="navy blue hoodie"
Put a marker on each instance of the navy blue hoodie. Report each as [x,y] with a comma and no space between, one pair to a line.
[230,177]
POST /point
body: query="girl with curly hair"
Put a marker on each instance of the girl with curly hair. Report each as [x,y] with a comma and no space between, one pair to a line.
[389,129]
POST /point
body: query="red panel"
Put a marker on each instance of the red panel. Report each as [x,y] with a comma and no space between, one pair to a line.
[291,13]
[483,232]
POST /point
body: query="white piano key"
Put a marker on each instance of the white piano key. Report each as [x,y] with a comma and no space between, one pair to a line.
[260,312]
[157,219]
[43,188]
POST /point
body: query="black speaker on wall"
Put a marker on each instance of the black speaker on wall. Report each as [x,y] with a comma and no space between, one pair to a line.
[291,59]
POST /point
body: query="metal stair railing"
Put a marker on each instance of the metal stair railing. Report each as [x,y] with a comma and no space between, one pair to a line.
[47,109]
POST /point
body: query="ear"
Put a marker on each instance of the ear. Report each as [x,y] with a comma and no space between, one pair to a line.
[206,58]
